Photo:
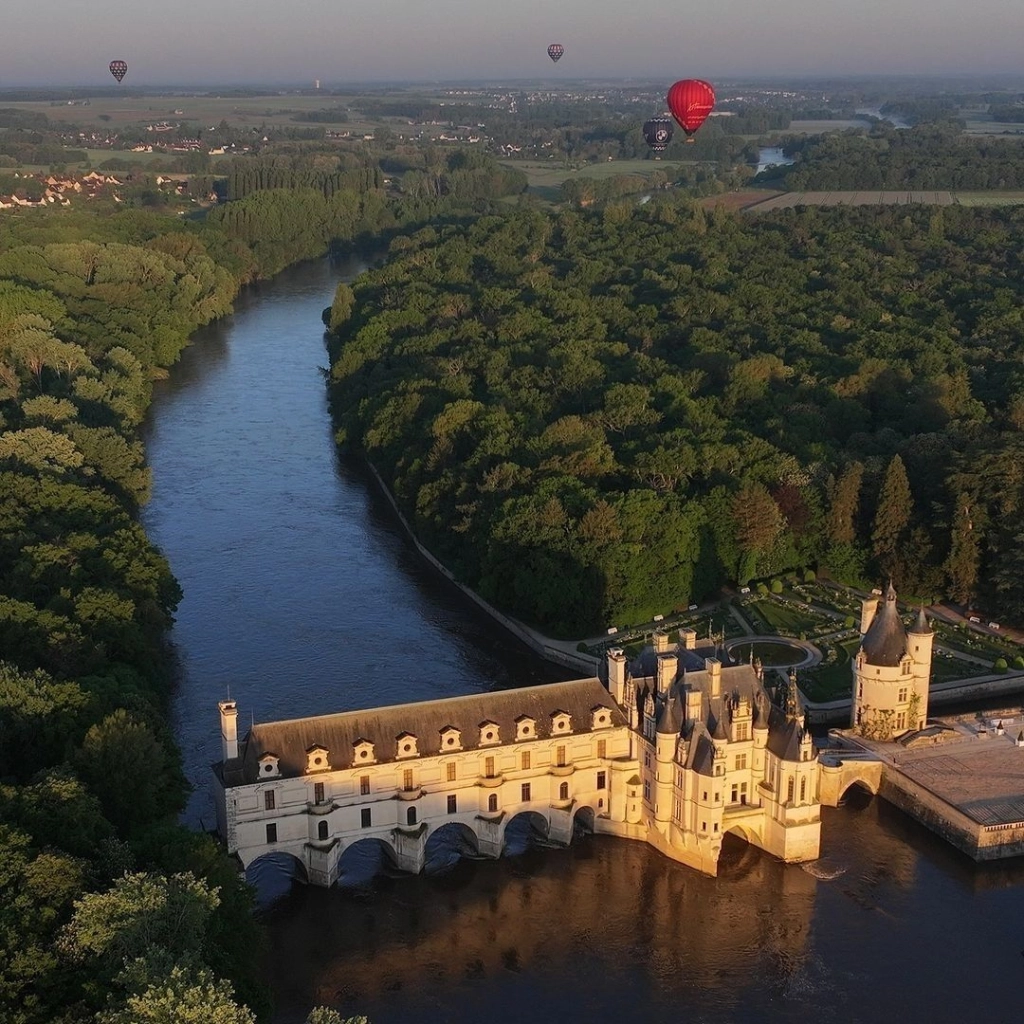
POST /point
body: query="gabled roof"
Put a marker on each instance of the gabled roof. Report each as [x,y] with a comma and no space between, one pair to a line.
[427,720]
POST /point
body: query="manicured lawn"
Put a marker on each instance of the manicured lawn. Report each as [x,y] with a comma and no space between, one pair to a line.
[831,679]
[784,618]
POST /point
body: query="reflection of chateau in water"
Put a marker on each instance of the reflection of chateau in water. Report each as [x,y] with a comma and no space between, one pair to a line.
[634,911]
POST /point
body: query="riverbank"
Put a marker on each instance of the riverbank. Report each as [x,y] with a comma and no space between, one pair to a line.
[561,652]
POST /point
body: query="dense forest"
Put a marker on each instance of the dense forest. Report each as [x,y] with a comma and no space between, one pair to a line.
[929,156]
[110,911]
[593,417]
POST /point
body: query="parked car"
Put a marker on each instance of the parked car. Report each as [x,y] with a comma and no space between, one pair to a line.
[975,619]
[993,625]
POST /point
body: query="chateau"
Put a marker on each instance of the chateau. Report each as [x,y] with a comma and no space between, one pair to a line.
[891,672]
[677,750]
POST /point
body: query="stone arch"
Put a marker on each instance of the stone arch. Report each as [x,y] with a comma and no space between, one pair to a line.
[865,786]
[449,843]
[273,873]
[523,830]
[360,862]
[584,822]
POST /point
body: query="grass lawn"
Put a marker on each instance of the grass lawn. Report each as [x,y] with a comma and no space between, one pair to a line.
[783,618]
[946,668]
[994,197]
[832,679]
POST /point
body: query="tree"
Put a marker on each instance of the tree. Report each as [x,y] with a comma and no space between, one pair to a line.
[892,516]
[842,513]
[183,996]
[962,562]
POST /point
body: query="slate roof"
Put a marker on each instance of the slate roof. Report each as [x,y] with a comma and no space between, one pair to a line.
[290,740]
[921,623]
[885,642]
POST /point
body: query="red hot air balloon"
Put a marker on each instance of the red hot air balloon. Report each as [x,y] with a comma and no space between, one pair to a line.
[690,101]
[555,51]
[118,69]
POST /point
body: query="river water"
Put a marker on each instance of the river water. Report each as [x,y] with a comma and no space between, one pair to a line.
[302,596]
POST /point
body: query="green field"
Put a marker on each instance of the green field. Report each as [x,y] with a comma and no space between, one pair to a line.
[994,198]
[546,177]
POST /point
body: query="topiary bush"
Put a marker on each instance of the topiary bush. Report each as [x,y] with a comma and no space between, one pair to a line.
[999,665]
[810,576]
[776,586]
[1018,662]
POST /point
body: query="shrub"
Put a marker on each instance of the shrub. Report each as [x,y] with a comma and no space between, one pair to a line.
[776,586]
[810,576]
[762,590]
[849,622]
[999,665]
[1018,662]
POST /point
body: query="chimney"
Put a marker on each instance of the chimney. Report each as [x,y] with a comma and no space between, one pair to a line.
[714,670]
[668,665]
[617,673]
[693,704]
[660,639]
[228,729]
[868,607]
[688,638]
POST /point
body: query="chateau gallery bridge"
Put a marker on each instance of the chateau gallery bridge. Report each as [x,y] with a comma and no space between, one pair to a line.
[677,750]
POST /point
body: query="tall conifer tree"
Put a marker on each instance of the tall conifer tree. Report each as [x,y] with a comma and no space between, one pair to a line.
[892,516]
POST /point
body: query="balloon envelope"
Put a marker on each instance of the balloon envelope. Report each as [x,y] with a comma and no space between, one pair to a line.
[658,133]
[118,69]
[555,51]
[691,100]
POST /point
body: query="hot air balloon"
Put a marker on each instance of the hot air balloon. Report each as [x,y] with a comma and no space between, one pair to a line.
[118,69]
[658,133]
[690,101]
[555,51]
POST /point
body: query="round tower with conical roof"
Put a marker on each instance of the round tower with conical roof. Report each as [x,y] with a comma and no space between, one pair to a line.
[891,673]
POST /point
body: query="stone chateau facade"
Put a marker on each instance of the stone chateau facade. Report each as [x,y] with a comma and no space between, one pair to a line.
[891,672]
[675,749]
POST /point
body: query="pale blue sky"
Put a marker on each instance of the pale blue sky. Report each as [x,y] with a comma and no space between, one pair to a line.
[218,41]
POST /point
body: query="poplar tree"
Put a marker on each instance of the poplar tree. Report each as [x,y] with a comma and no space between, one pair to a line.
[842,515]
[892,516]
[962,563]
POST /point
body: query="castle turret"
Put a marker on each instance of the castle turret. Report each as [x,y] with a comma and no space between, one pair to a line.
[669,725]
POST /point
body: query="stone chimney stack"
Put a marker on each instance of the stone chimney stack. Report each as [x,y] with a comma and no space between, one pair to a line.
[668,665]
[228,729]
[688,638]
[868,607]
[693,704]
[660,639]
[617,674]
[714,670]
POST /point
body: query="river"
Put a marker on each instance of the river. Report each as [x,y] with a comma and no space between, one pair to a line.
[302,596]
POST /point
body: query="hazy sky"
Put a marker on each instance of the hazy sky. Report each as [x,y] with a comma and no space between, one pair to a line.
[217,41]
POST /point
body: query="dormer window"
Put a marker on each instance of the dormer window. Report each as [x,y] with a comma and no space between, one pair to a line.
[489,734]
[601,717]
[317,759]
[561,723]
[406,745]
[362,752]
[526,728]
[451,738]
[269,768]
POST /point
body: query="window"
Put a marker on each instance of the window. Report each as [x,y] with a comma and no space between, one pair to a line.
[743,792]
[647,759]
[901,720]
[716,826]
[803,790]
[741,762]
[600,802]
[735,794]
[321,829]
[717,797]
[268,800]
[906,668]
[489,767]
[704,795]
[902,697]
[647,790]
[272,833]
[364,785]
[318,793]
[364,817]
[602,748]
[560,757]
[453,802]
[410,816]
[451,771]
[563,791]
[407,780]
[492,803]
[524,761]
[525,793]
[703,826]
[741,731]
[602,780]
[789,791]
[677,809]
